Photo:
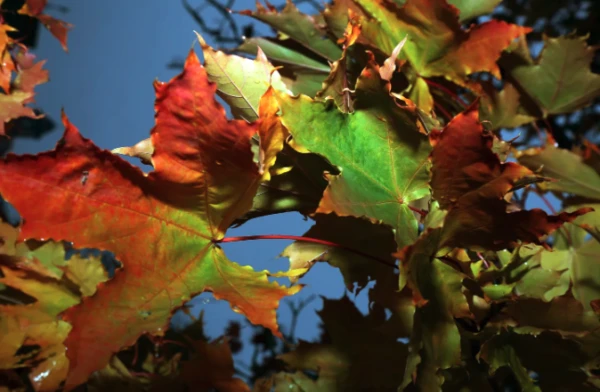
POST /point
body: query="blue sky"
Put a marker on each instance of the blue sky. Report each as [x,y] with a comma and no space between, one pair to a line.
[104,83]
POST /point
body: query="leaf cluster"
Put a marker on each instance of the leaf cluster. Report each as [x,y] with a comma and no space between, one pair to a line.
[369,118]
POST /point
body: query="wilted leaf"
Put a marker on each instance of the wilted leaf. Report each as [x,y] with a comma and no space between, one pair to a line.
[160,226]
[142,150]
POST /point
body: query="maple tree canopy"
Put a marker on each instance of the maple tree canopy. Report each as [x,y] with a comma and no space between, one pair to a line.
[371,119]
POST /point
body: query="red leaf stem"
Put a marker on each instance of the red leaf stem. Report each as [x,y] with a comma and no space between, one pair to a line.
[303,239]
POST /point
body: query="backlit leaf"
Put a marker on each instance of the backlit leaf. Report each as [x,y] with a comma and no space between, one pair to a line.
[470,9]
[503,108]
[560,80]
[161,226]
[33,270]
[276,51]
[241,90]
[57,28]
[470,181]
[437,44]
[379,149]
[572,175]
[297,26]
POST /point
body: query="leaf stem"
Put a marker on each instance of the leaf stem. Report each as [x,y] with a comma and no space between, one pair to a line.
[304,239]
[417,210]
[441,109]
[451,93]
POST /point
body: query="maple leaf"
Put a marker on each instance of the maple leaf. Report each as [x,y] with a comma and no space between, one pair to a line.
[211,368]
[41,272]
[12,106]
[297,26]
[363,254]
[337,87]
[279,51]
[499,352]
[567,168]
[580,252]
[57,28]
[296,184]
[470,181]
[366,357]
[7,66]
[435,341]
[437,44]
[504,108]
[470,9]
[161,226]
[30,74]
[5,39]
[560,80]
[241,90]
[381,154]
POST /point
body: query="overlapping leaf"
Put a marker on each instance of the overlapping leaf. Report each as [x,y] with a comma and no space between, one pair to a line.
[560,80]
[437,44]
[57,28]
[379,150]
[567,168]
[241,90]
[297,26]
[367,356]
[212,368]
[470,181]
[437,289]
[364,254]
[19,74]
[161,226]
[51,285]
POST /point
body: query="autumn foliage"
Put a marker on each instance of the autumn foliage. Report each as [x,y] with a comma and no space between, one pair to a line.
[370,119]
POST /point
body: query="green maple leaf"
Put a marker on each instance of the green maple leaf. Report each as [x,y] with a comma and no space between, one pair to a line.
[299,27]
[381,154]
[572,175]
[560,80]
